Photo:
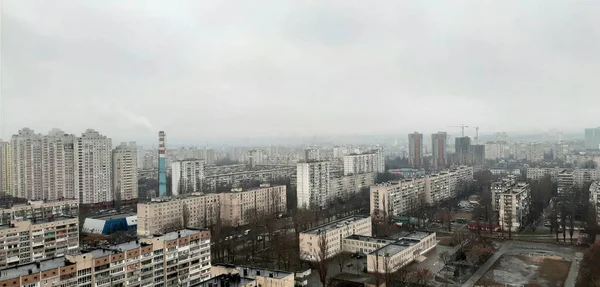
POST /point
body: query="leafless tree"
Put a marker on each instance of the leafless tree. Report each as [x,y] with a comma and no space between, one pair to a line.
[342,258]
[320,258]
[444,256]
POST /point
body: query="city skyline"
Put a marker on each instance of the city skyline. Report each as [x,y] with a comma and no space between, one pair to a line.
[115,68]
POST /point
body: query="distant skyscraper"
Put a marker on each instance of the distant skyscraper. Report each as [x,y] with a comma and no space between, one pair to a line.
[187,176]
[311,154]
[58,165]
[27,164]
[162,164]
[93,169]
[124,169]
[462,147]
[415,149]
[477,154]
[592,138]
[313,183]
[6,169]
[438,148]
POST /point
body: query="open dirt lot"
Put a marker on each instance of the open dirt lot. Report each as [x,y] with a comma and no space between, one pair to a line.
[527,271]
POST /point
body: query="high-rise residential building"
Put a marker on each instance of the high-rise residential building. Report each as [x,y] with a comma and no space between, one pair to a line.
[496,150]
[438,149]
[313,183]
[93,169]
[33,240]
[6,168]
[124,170]
[256,157]
[162,164]
[415,149]
[180,258]
[512,200]
[58,165]
[27,164]
[477,154]
[368,162]
[592,138]
[187,176]
[32,210]
[595,198]
[241,207]
[462,147]
[340,151]
[312,154]
[209,156]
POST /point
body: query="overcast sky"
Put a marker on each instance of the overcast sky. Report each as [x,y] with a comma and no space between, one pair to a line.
[210,69]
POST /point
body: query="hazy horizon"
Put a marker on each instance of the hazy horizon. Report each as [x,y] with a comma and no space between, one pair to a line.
[204,70]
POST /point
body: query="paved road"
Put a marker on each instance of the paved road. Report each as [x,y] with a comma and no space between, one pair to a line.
[517,247]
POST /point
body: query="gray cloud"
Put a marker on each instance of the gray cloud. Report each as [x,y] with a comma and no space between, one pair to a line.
[207,69]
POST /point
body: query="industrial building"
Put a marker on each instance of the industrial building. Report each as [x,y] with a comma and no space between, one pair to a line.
[111,223]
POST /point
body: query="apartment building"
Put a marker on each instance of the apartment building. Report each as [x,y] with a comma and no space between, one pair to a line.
[390,258]
[369,162]
[348,185]
[399,197]
[311,154]
[595,198]
[124,171]
[93,169]
[249,276]
[6,168]
[27,182]
[234,175]
[537,173]
[256,157]
[415,149]
[496,150]
[234,208]
[240,207]
[565,182]
[330,236]
[512,200]
[58,167]
[439,145]
[179,258]
[39,209]
[187,176]
[25,241]
[165,214]
[313,183]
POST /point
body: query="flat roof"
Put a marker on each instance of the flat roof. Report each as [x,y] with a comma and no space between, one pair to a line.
[183,233]
[349,277]
[227,277]
[418,235]
[334,224]
[22,270]
[371,239]
[255,271]
[38,221]
[113,216]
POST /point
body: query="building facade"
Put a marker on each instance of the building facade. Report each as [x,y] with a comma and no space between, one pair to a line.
[187,176]
[390,258]
[27,182]
[251,276]
[595,198]
[234,208]
[93,168]
[368,162]
[6,168]
[25,241]
[512,200]
[313,183]
[415,149]
[125,171]
[325,241]
[39,209]
[592,138]
[438,149]
[175,259]
[462,147]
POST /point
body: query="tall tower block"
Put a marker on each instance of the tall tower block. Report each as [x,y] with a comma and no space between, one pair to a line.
[162,164]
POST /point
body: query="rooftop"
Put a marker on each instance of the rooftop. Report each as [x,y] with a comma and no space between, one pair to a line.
[355,278]
[418,235]
[371,239]
[36,267]
[334,224]
[229,278]
[252,272]
[114,216]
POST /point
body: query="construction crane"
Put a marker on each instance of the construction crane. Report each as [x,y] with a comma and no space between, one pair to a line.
[462,128]
[476,134]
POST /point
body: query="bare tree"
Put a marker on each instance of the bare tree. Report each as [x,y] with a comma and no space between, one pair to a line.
[320,258]
[509,224]
[445,257]
[342,258]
